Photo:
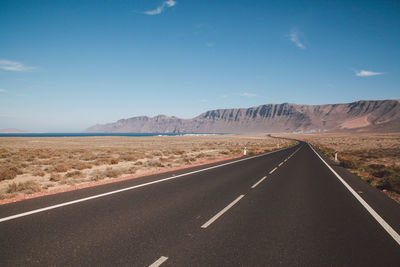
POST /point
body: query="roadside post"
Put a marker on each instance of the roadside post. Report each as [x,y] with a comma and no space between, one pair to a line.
[244,151]
[336,155]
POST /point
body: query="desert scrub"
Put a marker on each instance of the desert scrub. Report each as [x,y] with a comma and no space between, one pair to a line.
[154,163]
[97,175]
[73,174]
[62,167]
[9,172]
[114,161]
[112,173]
[55,177]
[27,187]
[348,164]
[79,165]
[388,177]
[39,172]
[128,157]
[60,157]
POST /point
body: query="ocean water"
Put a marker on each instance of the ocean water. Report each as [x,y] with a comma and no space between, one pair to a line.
[96,134]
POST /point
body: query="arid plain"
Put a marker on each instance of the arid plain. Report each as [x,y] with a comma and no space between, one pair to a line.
[49,164]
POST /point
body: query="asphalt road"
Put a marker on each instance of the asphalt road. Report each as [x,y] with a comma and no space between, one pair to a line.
[284,208]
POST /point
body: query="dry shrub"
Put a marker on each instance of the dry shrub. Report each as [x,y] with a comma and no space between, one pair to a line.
[149,156]
[27,187]
[154,163]
[9,172]
[101,161]
[30,159]
[44,154]
[348,164]
[157,154]
[179,152]
[186,160]
[39,173]
[97,175]
[200,155]
[131,170]
[55,177]
[49,169]
[73,174]
[114,161]
[128,157]
[112,173]
[87,156]
[62,167]
[79,165]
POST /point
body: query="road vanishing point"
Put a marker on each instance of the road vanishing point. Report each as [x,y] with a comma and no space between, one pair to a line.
[291,207]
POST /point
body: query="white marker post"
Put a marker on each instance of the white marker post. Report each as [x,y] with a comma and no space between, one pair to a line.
[244,151]
[336,155]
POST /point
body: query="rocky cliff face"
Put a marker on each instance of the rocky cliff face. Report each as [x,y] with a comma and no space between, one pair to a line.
[272,118]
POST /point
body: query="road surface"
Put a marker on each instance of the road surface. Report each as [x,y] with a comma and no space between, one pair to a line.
[283,208]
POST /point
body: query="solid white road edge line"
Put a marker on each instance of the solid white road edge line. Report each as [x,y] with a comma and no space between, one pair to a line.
[130,188]
[280,164]
[262,179]
[219,214]
[159,262]
[374,214]
[273,170]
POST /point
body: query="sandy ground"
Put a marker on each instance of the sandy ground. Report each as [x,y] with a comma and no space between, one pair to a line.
[31,167]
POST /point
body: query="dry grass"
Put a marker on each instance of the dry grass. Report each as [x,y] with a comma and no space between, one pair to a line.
[57,162]
[375,158]
[27,187]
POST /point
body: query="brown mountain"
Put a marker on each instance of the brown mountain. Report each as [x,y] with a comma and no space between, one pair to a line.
[360,116]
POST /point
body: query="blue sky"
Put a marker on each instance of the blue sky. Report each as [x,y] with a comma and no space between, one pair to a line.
[67,65]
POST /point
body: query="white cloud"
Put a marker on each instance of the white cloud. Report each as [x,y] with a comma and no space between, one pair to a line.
[13,65]
[3,90]
[246,94]
[160,9]
[294,38]
[366,73]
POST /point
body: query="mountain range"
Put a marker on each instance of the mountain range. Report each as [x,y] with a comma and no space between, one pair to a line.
[360,116]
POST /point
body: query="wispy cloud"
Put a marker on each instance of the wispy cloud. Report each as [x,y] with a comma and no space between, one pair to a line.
[294,38]
[366,73]
[160,9]
[13,65]
[246,94]
[209,44]
[3,90]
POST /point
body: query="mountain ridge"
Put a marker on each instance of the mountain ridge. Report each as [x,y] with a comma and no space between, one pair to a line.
[359,116]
